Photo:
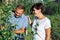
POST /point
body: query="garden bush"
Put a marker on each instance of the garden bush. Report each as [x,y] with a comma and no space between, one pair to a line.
[55,22]
[6,30]
[52,8]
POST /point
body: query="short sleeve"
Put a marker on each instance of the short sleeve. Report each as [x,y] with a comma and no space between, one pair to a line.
[25,23]
[47,24]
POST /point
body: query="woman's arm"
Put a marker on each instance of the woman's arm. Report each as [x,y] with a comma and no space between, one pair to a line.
[48,31]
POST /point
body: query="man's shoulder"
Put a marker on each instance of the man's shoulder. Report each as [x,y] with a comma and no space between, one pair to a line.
[24,16]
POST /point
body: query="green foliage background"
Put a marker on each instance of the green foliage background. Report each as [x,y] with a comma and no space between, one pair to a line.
[52,10]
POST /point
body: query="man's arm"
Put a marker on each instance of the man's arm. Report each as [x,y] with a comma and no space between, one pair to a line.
[22,30]
[24,27]
[48,31]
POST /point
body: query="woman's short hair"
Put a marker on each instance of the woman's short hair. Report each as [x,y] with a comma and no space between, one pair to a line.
[37,6]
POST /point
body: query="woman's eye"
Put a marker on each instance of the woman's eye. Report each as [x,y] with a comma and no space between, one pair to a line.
[33,10]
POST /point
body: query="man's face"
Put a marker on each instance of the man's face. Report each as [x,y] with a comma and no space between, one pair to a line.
[19,12]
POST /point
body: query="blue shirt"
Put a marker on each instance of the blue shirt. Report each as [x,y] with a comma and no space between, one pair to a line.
[21,22]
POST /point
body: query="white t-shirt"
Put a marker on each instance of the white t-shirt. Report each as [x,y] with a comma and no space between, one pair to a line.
[42,26]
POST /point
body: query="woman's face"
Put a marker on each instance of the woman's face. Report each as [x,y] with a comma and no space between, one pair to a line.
[36,12]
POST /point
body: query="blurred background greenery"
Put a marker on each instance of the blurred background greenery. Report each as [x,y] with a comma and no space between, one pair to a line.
[51,10]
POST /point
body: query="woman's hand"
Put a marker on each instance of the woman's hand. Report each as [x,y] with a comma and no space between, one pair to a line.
[30,22]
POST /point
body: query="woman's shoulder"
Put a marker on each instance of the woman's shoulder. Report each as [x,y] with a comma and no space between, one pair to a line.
[47,19]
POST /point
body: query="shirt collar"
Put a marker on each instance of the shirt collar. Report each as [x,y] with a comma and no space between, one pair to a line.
[20,16]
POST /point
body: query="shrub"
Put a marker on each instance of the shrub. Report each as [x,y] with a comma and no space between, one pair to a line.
[52,8]
[6,30]
[55,21]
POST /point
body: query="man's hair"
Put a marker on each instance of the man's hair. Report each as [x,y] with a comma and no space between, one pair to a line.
[37,6]
[21,6]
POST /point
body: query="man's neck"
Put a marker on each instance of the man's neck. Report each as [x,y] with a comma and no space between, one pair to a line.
[17,16]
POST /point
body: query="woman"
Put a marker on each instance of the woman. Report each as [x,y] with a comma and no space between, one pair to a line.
[41,26]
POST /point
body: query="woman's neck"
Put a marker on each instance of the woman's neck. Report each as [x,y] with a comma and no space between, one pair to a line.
[41,16]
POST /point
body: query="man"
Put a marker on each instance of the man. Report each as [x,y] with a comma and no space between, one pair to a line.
[18,18]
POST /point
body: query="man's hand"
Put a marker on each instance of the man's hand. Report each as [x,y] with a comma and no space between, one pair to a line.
[22,30]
